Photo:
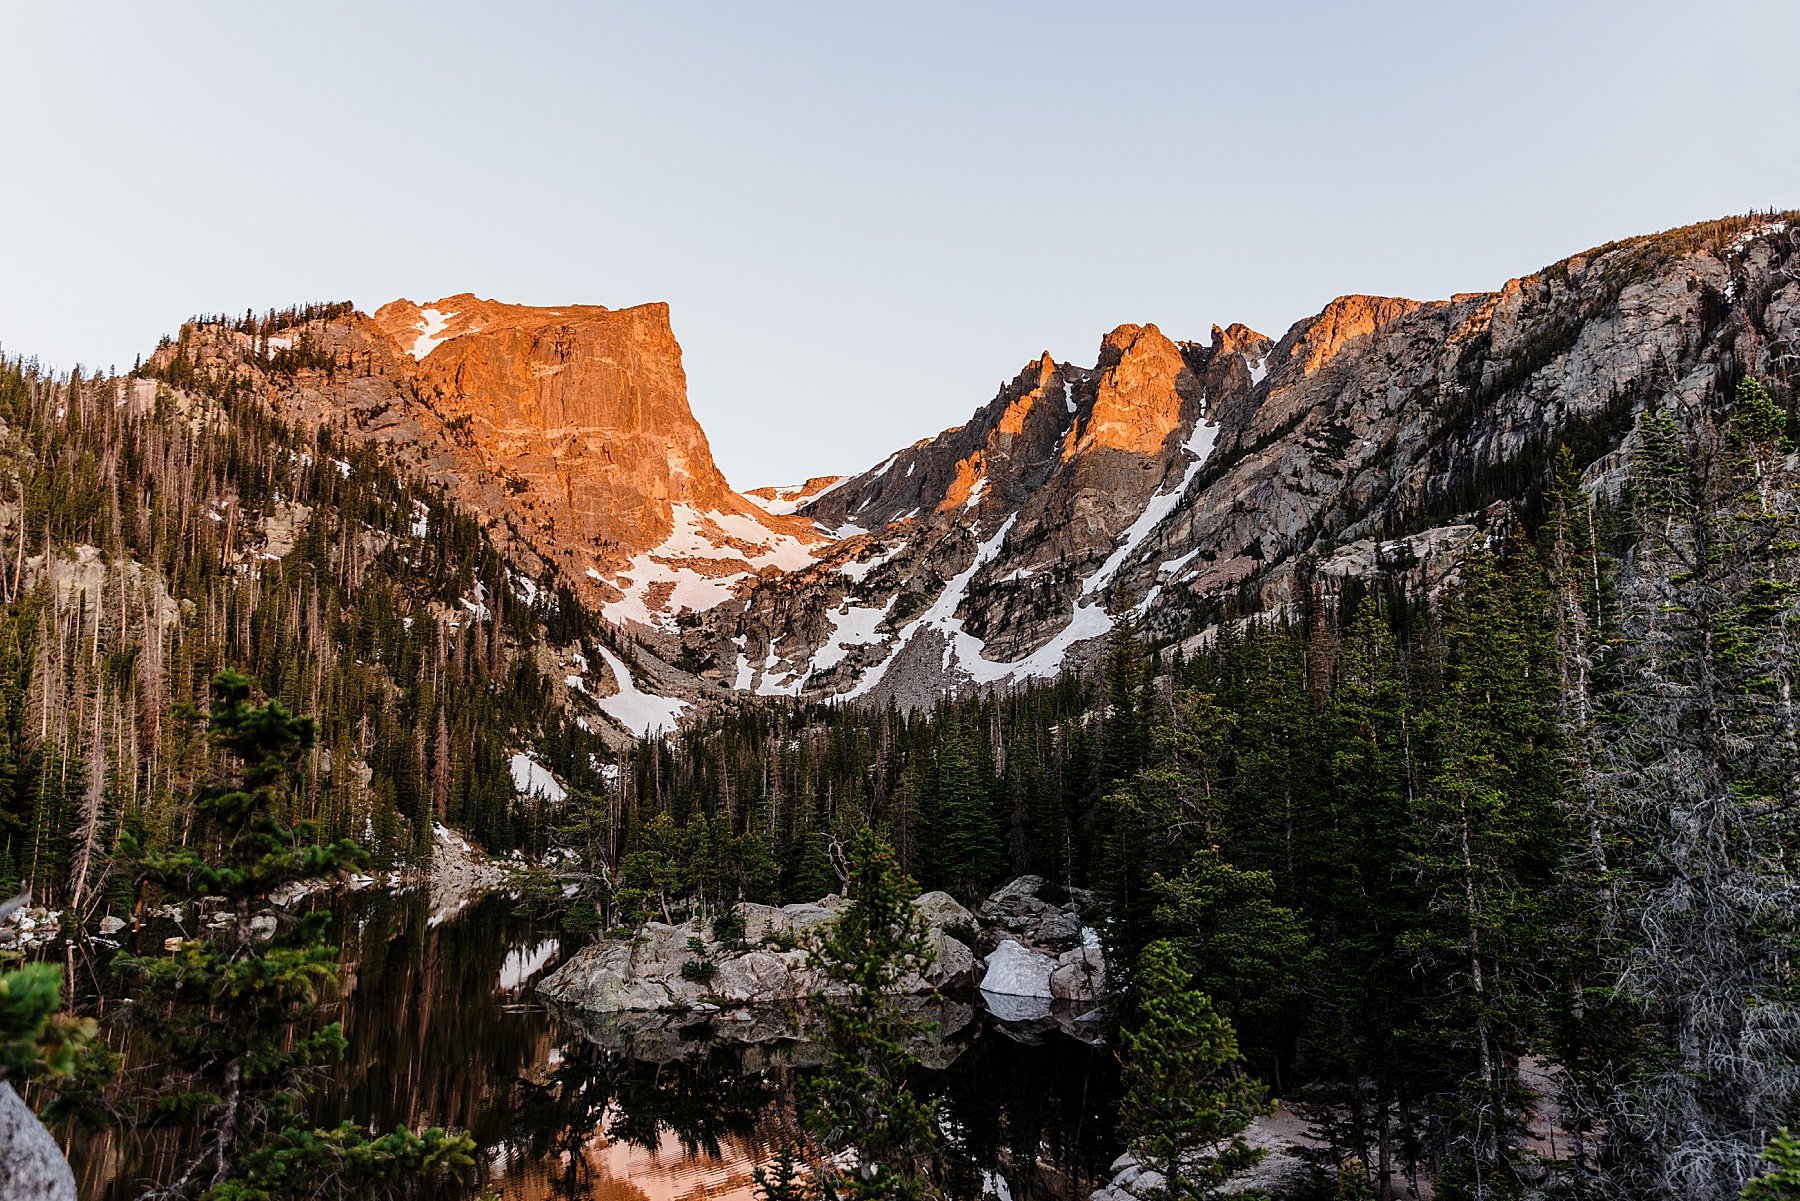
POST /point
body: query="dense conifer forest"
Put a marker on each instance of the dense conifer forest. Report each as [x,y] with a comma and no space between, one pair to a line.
[158,536]
[1447,864]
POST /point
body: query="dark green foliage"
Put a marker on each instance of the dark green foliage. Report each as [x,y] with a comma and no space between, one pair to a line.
[859,1100]
[1779,1179]
[1187,1099]
[237,1021]
[786,1179]
[1248,954]
[37,1039]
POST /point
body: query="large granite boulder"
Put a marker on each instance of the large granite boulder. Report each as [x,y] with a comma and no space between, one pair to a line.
[940,909]
[755,977]
[1014,970]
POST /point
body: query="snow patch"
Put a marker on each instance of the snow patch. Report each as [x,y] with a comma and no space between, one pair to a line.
[859,571]
[851,625]
[641,712]
[522,963]
[530,778]
[1178,562]
[430,328]
[713,537]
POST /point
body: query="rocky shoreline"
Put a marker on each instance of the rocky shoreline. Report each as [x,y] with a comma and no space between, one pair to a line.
[1026,957]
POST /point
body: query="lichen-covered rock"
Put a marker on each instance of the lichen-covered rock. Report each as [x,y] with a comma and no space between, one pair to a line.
[763,922]
[941,909]
[755,976]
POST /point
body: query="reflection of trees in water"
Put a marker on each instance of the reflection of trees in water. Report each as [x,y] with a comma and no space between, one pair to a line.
[700,1101]
[1042,1115]
[556,1101]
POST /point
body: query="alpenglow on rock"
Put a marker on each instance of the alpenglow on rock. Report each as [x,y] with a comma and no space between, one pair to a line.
[1183,484]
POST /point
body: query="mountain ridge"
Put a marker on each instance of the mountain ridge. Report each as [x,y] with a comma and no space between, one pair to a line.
[1174,483]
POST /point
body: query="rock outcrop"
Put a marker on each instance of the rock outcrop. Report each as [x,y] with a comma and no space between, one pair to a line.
[1189,484]
[686,966]
[1182,484]
[565,430]
[1283,1137]
[1033,949]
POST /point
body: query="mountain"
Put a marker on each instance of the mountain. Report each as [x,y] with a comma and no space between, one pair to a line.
[564,430]
[1175,484]
[1183,484]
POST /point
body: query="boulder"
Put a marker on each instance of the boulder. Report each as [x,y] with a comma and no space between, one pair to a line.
[753,978]
[940,909]
[1079,975]
[1056,930]
[594,978]
[954,965]
[111,925]
[1016,890]
[1014,970]
[806,915]
[763,922]
[31,1162]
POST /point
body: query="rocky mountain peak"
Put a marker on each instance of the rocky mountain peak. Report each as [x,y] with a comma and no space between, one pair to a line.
[584,411]
[1146,390]
[1312,343]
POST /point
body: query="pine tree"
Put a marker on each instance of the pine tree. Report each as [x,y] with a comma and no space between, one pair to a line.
[1483,847]
[1780,1178]
[860,1102]
[785,1179]
[964,850]
[1248,954]
[237,1022]
[1187,1101]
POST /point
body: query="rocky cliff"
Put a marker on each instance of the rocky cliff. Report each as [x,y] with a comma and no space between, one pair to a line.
[1180,484]
[1185,484]
[566,428]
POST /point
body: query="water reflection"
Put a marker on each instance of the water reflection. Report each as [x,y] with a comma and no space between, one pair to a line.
[443,1028]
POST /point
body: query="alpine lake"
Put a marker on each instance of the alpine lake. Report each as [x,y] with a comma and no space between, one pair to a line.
[444,1029]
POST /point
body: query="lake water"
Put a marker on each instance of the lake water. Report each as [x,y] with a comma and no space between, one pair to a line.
[444,1030]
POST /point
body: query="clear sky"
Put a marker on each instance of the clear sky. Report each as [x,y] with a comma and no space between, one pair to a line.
[863,216]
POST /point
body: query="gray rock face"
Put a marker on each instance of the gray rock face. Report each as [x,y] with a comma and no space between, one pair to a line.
[1079,975]
[942,909]
[1283,1137]
[1014,970]
[757,976]
[32,1167]
[1196,482]
[660,969]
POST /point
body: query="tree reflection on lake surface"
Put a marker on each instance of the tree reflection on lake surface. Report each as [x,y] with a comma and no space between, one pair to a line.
[444,1029]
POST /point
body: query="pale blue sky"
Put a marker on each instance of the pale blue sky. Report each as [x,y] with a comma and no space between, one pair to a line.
[864,217]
